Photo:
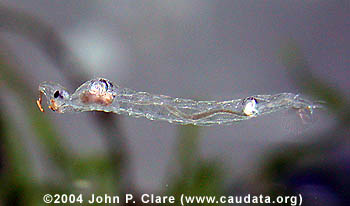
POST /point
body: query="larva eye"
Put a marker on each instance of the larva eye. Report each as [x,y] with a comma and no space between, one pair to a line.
[56,94]
[61,94]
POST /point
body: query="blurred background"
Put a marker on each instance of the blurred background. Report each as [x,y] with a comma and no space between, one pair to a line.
[206,50]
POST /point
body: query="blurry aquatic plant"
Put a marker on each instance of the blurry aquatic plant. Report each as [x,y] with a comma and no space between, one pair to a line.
[317,168]
[300,72]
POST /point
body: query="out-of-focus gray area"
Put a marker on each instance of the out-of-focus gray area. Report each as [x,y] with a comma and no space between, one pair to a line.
[208,50]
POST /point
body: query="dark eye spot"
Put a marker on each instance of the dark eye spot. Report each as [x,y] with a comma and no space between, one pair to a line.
[56,94]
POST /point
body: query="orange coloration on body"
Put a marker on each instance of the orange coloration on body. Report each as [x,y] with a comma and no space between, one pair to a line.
[97,95]
[102,98]
[38,102]
[53,105]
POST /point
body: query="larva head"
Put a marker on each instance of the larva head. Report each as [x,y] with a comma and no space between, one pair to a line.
[56,95]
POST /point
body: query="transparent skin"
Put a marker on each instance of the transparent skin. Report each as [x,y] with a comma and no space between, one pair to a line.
[100,94]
